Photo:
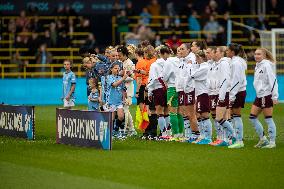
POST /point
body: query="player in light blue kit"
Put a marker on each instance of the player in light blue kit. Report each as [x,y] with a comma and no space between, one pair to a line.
[69,83]
[116,89]
[94,98]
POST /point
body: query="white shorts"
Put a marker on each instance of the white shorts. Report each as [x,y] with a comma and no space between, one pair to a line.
[112,108]
[69,103]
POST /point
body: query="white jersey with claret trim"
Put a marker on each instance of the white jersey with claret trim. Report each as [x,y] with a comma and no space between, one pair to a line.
[238,76]
[170,71]
[223,77]
[155,72]
[265,81]
[212,81]
[200,77]
[186,68]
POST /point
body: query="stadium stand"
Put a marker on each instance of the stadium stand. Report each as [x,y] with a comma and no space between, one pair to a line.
[64,34]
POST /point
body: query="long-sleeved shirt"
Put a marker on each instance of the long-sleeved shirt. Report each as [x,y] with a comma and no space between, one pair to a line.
[170,71]
[223,77]
[238,76]
[212,82]
[186,68]
[200,77]
[154,74]
[265,81]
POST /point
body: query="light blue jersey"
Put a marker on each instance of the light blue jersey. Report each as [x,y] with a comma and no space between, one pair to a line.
[91,104]
[68,79]
[115,94]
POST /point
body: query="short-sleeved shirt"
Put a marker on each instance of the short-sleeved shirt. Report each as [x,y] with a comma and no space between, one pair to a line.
[69,78]
[115,94]
[91,104]
[144,64]
[91,74]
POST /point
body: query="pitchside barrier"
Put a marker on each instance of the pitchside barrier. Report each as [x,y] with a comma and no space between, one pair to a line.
[17,121]
[84,128]
[28,91]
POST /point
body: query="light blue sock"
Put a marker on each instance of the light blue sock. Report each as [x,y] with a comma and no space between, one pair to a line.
[187,129]
[200,127]
[162,122]
[271,128]
[219,131]
[207,125]
[228,128]
[239,128]
[257,125]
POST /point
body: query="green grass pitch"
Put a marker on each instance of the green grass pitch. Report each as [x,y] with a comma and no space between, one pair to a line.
[134,163]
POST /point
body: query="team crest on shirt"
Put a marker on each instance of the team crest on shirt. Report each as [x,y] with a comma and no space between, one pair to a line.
[198,106]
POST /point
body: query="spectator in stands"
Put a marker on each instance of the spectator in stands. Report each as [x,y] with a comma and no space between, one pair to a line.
[187,9]
[122,22]
[145,16]
[155,10]
[53,34]
[213,6]
[90,42]
[43,57]
[16,59]
[36,24]
[166,25]
[85,25]
[12,26]
[22,21]
[171,11]
[193,25]
[205,15]
[212,26]
[33,44]
[174,42]
[60,26]
[158,40]
[130,11]
[177,25]
[64,40]
[19,42]
[46,38]
[145,33]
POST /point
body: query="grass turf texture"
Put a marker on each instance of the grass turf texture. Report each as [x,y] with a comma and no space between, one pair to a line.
[134,163]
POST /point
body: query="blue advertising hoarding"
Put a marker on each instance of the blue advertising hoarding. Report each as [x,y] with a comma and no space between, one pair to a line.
[17,121]
[84,128]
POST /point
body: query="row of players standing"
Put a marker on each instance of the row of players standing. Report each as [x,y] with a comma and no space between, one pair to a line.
[201,80]
[182,91]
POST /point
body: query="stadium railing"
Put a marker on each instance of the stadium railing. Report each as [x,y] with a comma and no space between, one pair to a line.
[76,68]
[184,23]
